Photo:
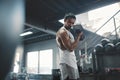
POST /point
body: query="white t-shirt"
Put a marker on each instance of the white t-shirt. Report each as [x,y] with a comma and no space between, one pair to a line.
[67,56]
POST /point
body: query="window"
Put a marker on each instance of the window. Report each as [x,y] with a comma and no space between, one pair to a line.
[46,61]
[18,59]
[16,63]
[40,62]
[100,16]
[32,62]
[103,12]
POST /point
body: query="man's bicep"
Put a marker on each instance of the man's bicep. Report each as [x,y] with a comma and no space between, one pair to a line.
[65,40]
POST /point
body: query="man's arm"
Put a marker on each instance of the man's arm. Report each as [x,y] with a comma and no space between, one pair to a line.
[66,40]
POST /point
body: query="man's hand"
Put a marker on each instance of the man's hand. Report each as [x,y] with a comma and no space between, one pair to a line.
[80,35]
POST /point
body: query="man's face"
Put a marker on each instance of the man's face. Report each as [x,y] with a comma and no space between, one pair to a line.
[69,23]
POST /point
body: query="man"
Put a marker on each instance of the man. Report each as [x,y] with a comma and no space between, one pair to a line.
[67,45]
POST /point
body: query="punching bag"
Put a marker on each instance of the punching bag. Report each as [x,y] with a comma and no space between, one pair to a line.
[11,25]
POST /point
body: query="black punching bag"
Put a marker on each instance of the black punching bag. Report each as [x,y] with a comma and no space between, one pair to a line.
[11,25]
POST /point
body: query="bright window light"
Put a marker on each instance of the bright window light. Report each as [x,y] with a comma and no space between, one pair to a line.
[80,19]
[26,33]
[40,62]
[46,61]
[103,12]
[16,64]
[32,62]
[61,21]
[101,15]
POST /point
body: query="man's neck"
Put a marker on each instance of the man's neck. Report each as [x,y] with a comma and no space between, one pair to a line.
[66,27]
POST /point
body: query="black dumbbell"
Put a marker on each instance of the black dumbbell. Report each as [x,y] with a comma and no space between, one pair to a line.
[109,47]
[77,31]
[117,46]
[99,48]
[105,41]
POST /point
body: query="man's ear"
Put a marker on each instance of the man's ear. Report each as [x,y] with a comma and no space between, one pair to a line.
[64,20]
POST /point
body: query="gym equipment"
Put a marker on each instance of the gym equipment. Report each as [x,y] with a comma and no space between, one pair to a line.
[99,48]
[105,41]
[79,31]
[109,47]
[76,30]
[117,46]
[115,41]
[112,70]
[90,70]
[79,69]
[56,74]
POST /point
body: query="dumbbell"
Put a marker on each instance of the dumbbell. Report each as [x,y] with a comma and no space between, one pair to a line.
[105,41]
[76,29]
[109,47]
[117,46]
[99,48]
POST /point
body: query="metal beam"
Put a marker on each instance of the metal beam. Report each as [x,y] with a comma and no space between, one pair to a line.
[41,29]
[36,37]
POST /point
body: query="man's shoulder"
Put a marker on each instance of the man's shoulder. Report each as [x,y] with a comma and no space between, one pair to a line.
[61,30]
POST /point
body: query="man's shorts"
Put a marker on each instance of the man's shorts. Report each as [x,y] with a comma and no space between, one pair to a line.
[68,72]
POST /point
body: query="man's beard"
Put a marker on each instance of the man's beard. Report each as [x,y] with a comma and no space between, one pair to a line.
[68,27]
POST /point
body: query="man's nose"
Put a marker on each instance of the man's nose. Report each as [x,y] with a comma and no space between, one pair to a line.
[71,24]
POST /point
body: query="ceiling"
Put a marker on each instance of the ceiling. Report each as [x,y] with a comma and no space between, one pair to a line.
[42,16]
